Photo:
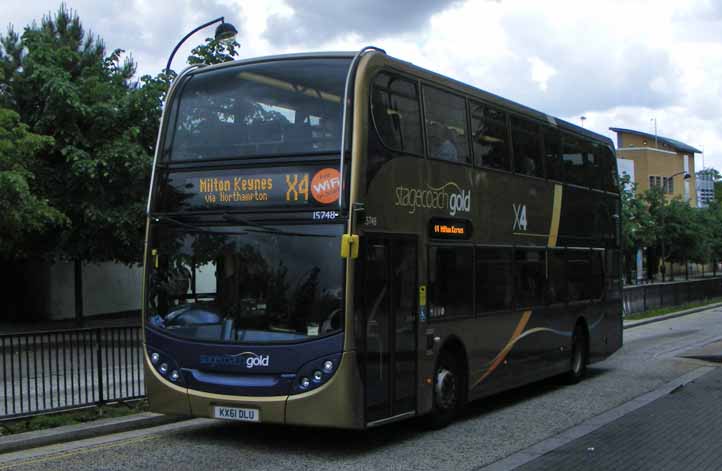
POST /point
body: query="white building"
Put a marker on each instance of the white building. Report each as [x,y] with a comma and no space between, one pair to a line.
[705,187]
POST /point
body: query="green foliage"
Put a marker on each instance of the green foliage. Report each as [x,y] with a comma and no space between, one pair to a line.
[24,214]
[677,231]
[638,228]
[63,84]
[214,52]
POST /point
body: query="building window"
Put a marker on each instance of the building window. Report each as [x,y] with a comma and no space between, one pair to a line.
[655,182]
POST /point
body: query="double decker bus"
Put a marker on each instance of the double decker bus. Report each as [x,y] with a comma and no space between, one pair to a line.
[347,239]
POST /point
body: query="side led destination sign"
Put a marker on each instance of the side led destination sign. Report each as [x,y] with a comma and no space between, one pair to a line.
[445,228]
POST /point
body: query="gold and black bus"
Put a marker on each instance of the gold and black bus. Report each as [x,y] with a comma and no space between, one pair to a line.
[347,239]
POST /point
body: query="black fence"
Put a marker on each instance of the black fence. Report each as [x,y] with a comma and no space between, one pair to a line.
[654,296]
[53,371]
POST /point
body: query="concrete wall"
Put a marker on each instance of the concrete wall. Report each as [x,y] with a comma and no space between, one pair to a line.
[107,288]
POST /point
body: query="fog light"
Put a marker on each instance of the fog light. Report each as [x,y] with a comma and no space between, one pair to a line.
[154,358]
[327,366]
[174,376]
[163,368]
[317,376]
[305,382]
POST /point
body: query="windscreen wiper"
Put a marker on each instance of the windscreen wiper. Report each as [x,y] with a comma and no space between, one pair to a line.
[262,229]
[193,227]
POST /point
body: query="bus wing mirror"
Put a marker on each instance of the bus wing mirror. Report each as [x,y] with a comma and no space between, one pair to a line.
[349,246]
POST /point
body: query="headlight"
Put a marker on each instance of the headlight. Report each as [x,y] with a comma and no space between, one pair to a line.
[315,373]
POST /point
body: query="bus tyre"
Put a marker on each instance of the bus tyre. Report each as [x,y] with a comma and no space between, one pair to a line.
[447,390]
[579,357]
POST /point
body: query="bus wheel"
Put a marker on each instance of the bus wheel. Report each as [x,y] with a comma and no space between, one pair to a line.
[447,390]
[578,361]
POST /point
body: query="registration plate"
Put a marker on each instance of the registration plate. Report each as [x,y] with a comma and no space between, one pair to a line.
[236,413]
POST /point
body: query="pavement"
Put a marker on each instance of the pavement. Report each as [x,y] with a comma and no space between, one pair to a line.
[69,433]
[628,324]
[681,430]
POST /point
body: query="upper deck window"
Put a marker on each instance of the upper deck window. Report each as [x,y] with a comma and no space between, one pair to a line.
[525,138]
[446,126]
[395,112]
[286,107]
[490,136]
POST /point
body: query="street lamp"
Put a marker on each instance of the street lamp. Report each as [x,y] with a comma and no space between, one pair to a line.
[687,176]
[224,32]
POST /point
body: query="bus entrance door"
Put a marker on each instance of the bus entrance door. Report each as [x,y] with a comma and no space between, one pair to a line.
[390,319]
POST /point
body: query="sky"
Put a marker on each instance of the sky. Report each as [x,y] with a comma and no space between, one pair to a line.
[618,63]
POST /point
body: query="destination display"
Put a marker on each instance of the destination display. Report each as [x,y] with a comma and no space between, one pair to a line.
[249,188]
[445,228]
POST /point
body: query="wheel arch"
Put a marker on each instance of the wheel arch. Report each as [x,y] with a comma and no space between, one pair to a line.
[582,322]
[454,346]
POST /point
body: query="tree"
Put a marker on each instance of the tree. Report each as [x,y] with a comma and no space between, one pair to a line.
[25,215]
[63,84]
[638,228]
[214,52]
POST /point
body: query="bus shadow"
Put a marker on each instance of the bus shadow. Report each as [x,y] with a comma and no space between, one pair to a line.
[513,397]
[340,444]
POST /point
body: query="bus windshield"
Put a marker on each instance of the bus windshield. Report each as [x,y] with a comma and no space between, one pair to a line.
[285,107]
[246,284]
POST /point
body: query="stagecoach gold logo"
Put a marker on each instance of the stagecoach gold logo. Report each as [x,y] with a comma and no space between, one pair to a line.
[443,197]
[249,359]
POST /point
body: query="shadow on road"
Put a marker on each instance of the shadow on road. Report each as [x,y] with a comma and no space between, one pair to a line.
[284,439]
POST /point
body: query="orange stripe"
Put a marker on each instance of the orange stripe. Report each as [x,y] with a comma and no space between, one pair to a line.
[507,348]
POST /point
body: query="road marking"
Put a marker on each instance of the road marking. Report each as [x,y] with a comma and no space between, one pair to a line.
[88,445]
[82,451]
[526,455]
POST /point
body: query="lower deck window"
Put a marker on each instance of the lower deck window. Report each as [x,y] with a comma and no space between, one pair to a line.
[451,279]
[529,277]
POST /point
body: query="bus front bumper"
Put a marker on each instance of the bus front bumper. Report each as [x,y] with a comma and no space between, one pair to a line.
[338,403]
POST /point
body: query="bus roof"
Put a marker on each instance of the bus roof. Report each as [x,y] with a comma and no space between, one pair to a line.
[433,76]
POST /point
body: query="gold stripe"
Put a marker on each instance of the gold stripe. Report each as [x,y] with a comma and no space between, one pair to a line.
[507,348]
[556,214]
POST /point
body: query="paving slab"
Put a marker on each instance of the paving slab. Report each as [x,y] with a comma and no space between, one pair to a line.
[681,430]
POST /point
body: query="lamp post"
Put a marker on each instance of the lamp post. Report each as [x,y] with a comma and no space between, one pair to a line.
[224,32]
[687,176]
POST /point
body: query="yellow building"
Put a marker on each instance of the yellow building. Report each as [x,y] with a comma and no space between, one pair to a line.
[659,162]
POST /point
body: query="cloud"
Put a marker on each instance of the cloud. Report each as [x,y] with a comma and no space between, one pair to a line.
[146,30]
[617,62]
[314,21]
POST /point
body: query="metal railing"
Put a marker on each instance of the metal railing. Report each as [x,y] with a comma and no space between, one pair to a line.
[654,296]
[51,371]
